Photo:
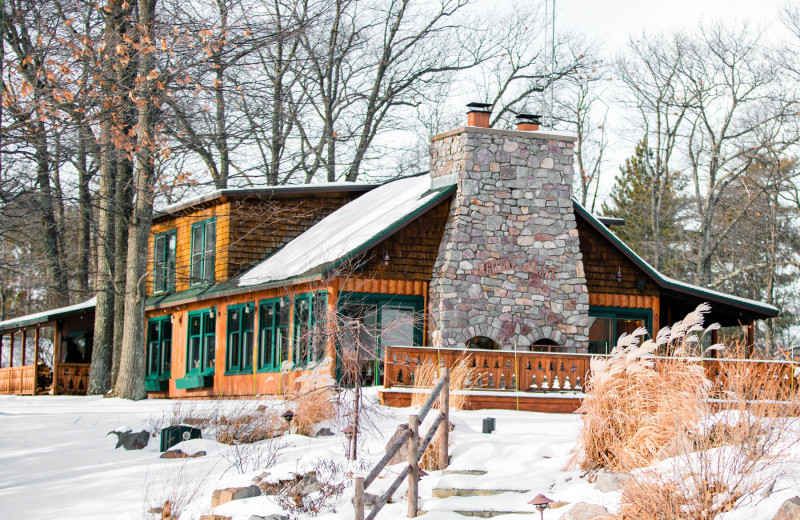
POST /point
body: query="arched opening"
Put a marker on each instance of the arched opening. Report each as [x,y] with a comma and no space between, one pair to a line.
[482,342]
[545,345]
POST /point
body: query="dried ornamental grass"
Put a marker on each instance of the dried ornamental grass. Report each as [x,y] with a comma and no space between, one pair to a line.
[426,376]
[312,404]
[632,406]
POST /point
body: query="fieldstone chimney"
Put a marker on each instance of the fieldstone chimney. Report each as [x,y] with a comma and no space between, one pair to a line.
[509,266]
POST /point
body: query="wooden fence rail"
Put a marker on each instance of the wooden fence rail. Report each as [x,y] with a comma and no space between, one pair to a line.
[416,448]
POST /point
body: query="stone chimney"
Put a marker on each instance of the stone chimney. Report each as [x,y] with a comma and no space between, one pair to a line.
[509,266]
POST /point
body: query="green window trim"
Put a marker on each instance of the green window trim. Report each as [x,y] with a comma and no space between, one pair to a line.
[273,333]
[203,252]
[158,353]
[381,303]
[615,314]
[201,342]
[239,344]
[308,343]
[164,247]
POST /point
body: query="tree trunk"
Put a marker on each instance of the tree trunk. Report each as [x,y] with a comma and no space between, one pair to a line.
[130,382]
[85,210]
[100,371]
[122,197]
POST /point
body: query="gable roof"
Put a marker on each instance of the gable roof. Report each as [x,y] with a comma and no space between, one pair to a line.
[351,229]
[764,310]
[49,315]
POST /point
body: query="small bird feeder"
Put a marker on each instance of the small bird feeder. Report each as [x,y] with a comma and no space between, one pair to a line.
[348,432]
[288,415]
[541,503]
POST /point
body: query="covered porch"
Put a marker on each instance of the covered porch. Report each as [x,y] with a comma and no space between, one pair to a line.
[47,352]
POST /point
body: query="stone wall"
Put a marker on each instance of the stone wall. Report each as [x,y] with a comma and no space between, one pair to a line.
[509,265]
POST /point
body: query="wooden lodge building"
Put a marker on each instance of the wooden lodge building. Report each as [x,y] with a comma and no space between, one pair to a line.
[488,252]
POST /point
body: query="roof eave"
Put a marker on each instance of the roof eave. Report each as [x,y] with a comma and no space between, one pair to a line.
[766,310]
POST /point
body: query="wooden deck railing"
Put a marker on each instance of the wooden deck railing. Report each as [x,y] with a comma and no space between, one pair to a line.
[416,447]
[496,369]
[19,380]
[555,371]
[72,378]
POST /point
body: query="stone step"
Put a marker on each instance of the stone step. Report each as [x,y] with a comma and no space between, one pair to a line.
[476,472]
[492,514]
[462,492]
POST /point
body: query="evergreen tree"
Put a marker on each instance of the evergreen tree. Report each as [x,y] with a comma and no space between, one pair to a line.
[633,199]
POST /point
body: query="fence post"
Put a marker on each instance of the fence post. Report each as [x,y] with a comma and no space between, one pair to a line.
[444,405]
[413,475]
[359,500]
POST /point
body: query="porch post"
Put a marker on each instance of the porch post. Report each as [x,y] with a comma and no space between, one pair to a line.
[11,350]
[2,336]
[24,345]
[35,359]
[56,356]
[751,340]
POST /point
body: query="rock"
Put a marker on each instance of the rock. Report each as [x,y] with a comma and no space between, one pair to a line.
[608,481]
[790,510]
[585,511]
[402,454]
[271,488]
[323,432]
[261,408]
[767,489]
[132,440]
[178,454]
[370,500]
[223,496]
[258,478]
[270,517]
[215,517]
[307,484]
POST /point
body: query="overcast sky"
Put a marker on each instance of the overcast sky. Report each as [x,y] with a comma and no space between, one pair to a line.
[612,22]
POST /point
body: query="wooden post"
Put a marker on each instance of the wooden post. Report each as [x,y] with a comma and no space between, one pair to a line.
[359,499]
[24,346]
[714,341]
[751,340]
[2,337]
[56,357]
[11,350]
[35,359]
[413,475]
[444,405]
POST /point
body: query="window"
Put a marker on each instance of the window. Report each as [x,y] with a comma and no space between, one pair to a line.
[202,341]
[203,245]
[310,318]
[273,333]
[164,262]
[158,357]
[240,338]
[607,324]
[372,321]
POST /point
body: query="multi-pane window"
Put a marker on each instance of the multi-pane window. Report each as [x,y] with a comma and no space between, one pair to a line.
[203,246]
[370,322]
[240,338]
[310,311]
[164,262]
[202,341]
[607,324]
[159,348]
[273,333]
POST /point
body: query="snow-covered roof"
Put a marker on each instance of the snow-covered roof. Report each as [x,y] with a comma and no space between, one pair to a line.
[670,283]
[266,191]
[49,315]
[348,230]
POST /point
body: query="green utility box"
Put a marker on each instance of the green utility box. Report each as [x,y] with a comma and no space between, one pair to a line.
[172,435]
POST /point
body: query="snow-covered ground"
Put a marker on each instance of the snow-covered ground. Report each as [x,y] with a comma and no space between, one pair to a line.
[56,461]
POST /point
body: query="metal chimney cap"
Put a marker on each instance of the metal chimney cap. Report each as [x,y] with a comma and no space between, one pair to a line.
[479,107]
[534,119]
